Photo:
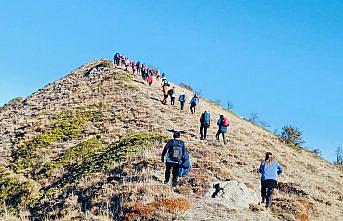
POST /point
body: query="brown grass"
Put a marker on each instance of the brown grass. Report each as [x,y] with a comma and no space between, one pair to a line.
[164,205]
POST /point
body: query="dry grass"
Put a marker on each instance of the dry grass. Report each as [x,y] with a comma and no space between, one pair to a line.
[164,205]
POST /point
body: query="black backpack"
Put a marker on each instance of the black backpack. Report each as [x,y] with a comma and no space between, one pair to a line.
[171,92]
[175,150]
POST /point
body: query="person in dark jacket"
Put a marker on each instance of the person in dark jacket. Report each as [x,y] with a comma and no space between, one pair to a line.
[182,99]
[205,121]
[175,150]
[194,102]
[222,127]
[270,170]
[171,93]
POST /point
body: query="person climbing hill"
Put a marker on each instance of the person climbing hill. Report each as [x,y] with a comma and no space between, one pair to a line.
[164,80]
[223,124]
[194,102]
[175,150]
[150,79]
[205,121]
[171,93]
[182,99]
[270,170]
[165,89]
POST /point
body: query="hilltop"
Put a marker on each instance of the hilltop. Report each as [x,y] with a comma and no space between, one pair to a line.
[87,147]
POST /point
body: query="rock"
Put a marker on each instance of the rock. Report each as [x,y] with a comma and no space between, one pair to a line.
[232,194]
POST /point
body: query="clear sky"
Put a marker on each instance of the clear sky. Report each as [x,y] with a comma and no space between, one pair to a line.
[280,59]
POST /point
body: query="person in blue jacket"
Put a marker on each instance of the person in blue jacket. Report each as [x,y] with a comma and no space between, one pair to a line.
[175,150]
[270,170]
[223,125]
[194,102]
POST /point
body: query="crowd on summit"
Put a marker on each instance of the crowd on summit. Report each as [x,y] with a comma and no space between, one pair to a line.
[175,154]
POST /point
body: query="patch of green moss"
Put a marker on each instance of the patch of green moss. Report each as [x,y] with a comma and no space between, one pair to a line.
[64,126]
[106,63]
[133,87]
[74,155]
[119,76]
[15,190]
[82,160]
[104,158]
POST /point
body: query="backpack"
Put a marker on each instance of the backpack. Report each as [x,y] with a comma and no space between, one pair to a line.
[175,151]
[182,97]
[225,122]
[171,92]
[195,101]
[206,117]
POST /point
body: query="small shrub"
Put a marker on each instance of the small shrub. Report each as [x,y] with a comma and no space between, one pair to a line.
[118,76]
[106,63]
[292,135]
[229,105]
[339,155]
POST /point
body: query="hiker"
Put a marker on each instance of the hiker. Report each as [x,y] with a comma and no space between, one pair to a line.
[205,121]
[158,74]
[164,81]
[175,150]
[165,89]
[223,124]
[150,79]
[182,99]
[138,67]
[185,166]
[171,93]
[270,170]
[194,102]
[116,59]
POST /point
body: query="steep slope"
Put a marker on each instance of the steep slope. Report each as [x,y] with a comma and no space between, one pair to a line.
[88,146]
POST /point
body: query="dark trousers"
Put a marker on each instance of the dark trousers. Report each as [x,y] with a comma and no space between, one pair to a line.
[182,103]
[172,100]
[267,187]
[203,130]
[192,109]
[218,134]
[175,171]
[165,97]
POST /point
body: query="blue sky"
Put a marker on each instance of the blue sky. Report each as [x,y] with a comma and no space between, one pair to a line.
[279,59]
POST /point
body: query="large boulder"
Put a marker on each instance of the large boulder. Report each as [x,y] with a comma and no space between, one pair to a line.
[232,194]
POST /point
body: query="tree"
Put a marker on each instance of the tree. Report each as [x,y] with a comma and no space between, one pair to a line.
[229,105]
[264,124]
[339,155]
[253,117]
[292,135]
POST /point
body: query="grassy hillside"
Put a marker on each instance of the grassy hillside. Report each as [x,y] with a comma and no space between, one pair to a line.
[87,147]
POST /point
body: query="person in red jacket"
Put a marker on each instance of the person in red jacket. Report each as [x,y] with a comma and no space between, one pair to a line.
[150,79]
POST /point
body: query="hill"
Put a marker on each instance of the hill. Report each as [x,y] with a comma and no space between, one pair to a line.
[87,147]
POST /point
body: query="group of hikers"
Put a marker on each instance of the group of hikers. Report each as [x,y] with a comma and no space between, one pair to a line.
[176,158]
[120,60]
[174,154]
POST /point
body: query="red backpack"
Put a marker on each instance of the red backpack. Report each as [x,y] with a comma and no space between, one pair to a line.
[225,122]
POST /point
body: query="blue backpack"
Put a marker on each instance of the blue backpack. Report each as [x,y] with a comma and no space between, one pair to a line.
[207,117]
[182,97]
